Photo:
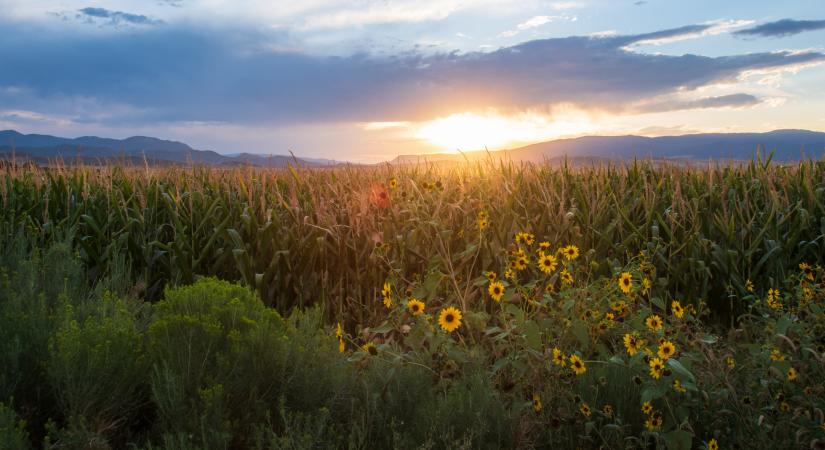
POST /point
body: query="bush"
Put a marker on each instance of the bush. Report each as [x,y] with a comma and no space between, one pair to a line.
[97,366]
[13,434]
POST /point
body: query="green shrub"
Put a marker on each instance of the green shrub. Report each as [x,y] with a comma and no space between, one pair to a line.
[13,434]
[97,365]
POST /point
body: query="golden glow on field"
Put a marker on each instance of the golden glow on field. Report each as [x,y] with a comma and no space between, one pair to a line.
[470,131]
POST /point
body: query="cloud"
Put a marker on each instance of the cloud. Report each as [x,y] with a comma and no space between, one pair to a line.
[782,28]
[181,74]
[535,22]
[103,16]
[723,101]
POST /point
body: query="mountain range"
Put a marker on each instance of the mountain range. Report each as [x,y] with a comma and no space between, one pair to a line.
[42,149]
[786,145]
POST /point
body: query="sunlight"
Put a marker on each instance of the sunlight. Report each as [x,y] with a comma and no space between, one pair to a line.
[469,131]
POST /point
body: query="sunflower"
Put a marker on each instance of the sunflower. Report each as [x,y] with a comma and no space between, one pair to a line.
[392,183]
[544,246]
[570,252]
[730,362]
[491,276]
[806,268]
[656,368]
[773,294]
[791,374]
[339,332]
[784,407]
[449,319]
[547,263]
[585,409]
[654,422]
[537,403]
[677,309]
[647,408]
[749,285]
[341,346]
[713,445]
[666,350]
[525,238]
[626,282]
[558,357]
[415,306]
[509,274]
[654,323]
[776,355]
[577,365]
[566,277]
[607,410]
[677,386]
[496,290]
[483,223]
[386,293]
[633,344]
[521,262]
[370,348]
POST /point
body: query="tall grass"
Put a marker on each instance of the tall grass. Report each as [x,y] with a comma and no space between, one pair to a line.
[303,236]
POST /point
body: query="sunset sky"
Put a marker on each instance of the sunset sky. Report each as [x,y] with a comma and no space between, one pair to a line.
[368,80]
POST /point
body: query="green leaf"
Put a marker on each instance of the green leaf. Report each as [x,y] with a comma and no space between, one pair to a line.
[580,331]
[656,301]
[680,369]
[678,440]
[654,391]
[532,335]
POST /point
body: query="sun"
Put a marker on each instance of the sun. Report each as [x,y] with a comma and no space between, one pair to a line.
[493,131]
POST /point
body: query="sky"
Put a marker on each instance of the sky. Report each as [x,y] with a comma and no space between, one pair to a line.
[367,80]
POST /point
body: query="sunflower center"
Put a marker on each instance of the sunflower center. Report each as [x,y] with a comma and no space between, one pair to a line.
[449,318]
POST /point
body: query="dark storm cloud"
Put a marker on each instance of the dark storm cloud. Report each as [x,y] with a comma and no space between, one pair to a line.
[170,73]
[781,28]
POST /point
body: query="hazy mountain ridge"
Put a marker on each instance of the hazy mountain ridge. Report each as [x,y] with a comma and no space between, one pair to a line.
[788,145]
[42,148]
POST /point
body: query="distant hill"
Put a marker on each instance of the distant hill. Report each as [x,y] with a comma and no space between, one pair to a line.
[42,149]
[787,145]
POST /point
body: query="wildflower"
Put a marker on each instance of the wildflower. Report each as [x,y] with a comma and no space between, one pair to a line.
[656,368]
[677,386]
[525,238]
[341,346]
[547,263]
[415,306]
[521,262]
[577,365]
[549,288]
[509,274]
[776,355]
[791,374]
[536,403]
[730,362]
[482,223]
[585,409]
[386,293]
[749,285]
[370,348]
[392,183]
[558,357]
[647,408]
[449,319]
[666,350]
[566,277]
[773,299]
[677,309]
[646,285]
[654,323]
[496,290]
[571,252]
[491,276]
[654,422]
[806,268]
[784,407]
[713,445]
[607,410]
[339,334]
[625,282]
[633,344]
[544,246]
